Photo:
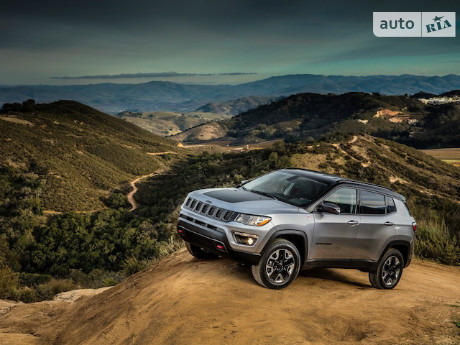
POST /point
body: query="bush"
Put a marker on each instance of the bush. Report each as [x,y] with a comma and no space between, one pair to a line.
[134,265]
[435,242]
[9,282]
[33,279]
[48,290]
[26,295]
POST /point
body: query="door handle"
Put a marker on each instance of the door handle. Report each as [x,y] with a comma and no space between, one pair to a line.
[388,223]
[353,222]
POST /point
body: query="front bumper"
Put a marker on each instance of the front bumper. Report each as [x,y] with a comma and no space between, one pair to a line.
[213,239]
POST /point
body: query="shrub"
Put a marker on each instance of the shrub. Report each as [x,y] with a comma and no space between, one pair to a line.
[435,242]
[26,295]
[50,289]
[9,282]
[133,265]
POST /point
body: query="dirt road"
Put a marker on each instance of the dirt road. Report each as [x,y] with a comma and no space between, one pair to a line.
[130,195]
[185,301]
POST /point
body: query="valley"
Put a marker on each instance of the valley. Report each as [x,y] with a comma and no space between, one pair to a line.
[448,155]
[169,123]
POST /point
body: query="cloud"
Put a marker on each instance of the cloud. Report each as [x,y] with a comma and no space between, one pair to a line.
[153,75]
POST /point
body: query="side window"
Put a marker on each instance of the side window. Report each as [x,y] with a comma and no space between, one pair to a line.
[402,208]
[345,198]
[371,203]
[390,203]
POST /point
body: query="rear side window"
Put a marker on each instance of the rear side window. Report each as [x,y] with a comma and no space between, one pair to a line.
[371,203]
[402,208]
[390,203]
[345,198]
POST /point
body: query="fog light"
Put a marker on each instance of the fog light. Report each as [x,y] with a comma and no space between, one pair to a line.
[246,239]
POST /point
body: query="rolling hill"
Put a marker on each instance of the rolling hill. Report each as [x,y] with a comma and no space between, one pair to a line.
[76,152]
[166,123]
[236,106]
[160,95]
[313,116]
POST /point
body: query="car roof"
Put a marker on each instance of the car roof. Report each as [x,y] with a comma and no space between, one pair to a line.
[334,180]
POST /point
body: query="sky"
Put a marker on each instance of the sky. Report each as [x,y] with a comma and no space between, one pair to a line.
[210,41]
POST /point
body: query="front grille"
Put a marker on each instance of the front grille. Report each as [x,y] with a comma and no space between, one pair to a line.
[208,210]
[203,224]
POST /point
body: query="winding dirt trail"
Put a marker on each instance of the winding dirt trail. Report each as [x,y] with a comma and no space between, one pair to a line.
[181,300]
[130,195]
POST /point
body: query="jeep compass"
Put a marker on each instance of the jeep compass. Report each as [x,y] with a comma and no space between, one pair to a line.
[294,218]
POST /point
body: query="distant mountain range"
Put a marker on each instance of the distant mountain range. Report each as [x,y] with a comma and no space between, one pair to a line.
[161,95]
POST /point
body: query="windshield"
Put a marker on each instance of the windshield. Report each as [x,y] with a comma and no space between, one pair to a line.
[287,186]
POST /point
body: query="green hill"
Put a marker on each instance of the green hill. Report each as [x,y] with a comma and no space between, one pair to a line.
[313,116]
[77,152]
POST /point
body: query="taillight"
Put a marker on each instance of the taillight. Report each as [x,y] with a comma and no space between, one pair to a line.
[414,226]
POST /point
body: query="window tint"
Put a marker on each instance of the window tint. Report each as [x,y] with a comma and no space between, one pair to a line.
[345,198]
[390,204]
[371,203]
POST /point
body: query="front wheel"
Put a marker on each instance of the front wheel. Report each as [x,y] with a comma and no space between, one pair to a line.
[278,266]
[389,270]
[200,253]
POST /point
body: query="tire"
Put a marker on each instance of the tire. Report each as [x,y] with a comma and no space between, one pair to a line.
[389,270]
[200,253]
[278,266]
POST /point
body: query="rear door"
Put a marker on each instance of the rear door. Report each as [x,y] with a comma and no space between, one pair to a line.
[378,219]
[334,235]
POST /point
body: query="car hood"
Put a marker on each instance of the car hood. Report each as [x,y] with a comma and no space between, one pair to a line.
[239,200]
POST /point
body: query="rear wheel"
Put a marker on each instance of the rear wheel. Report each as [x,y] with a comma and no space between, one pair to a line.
[279,265]
[389,270]
[200,253]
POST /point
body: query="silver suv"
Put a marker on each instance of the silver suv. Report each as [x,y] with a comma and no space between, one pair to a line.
[294,218]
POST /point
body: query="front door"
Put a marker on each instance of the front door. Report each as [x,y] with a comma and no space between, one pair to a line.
[334,235]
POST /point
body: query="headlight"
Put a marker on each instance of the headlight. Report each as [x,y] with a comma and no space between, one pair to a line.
[249,219]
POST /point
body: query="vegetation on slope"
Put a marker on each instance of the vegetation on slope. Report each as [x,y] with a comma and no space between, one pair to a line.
[78,152]
[312,116]
[68,157]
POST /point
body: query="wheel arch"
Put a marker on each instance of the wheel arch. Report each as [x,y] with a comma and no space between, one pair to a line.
[297,237]
[402,246]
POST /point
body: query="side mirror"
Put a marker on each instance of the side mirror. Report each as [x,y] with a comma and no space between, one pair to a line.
[328,207]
